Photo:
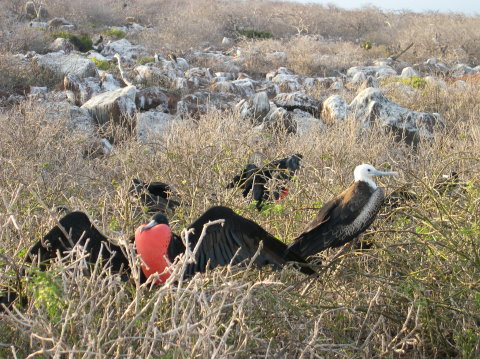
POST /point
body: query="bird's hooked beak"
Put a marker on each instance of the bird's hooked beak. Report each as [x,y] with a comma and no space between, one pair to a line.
[382,173]
[153,223]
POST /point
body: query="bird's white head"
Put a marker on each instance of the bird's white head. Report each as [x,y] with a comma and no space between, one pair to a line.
[365,173]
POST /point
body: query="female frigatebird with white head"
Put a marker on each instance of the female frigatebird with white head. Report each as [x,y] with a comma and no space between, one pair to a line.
[344,217]
[234,240]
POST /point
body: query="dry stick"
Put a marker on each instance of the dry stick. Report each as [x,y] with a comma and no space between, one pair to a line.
[367,315]
[394,58]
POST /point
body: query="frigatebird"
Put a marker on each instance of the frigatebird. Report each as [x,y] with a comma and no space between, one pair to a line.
[256,178]
[234,240]
[155,196]
[344,217]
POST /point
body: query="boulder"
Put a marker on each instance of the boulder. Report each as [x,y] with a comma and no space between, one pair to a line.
[149,75]
[60,23]
[382,71]
[228,41]
[334,109]
[371,105]
[61,44]
[30,11]
[298,100]
[460,70]
[279,119]
[62,64]
[113,106]
[286,80]
[125,49]
[83,88]
[408,72]
[39,25]
[306,123]
[153,124]
[255,108]
[152,97]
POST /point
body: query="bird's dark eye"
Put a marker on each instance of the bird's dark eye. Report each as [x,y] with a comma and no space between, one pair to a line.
[368,170]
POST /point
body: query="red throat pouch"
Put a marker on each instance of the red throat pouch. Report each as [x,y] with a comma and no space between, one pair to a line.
[152,245]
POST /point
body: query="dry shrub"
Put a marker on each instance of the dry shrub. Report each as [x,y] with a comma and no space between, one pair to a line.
[387,300]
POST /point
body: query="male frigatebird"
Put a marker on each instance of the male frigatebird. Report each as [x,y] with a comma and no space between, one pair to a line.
[232,241]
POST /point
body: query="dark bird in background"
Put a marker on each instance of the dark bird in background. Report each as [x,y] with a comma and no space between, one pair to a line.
[255,179]
[155,196]
[231,238]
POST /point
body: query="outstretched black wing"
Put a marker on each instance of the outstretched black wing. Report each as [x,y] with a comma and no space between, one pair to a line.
[234,241]
[75,228]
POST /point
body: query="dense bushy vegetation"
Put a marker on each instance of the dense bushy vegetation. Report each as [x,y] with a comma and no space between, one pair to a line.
[414,293]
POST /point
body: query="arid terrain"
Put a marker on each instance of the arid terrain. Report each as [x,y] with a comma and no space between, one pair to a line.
[199,89]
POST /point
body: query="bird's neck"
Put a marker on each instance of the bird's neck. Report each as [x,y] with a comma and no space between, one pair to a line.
[368,181]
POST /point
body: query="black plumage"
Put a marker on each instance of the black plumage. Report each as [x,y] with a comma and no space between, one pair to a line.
[255,179]
[340,220]
[73,229]
[155,196]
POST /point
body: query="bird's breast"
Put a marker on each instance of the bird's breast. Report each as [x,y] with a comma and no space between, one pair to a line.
[152,245]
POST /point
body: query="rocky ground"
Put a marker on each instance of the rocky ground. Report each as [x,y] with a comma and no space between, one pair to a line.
[84,108]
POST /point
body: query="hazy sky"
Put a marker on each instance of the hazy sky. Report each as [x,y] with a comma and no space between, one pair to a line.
[470,7]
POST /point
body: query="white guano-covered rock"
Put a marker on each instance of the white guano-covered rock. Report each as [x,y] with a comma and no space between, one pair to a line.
[408,72]
[334,109]
[255,108]
[112,106]
[62,64]
[371,105]
[377,71]
[125,49]
[153,124]
[297,100]
[306,124]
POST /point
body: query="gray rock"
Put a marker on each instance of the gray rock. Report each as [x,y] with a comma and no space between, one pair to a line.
[58,22]
[153,124]
[334,109]
[152,97]
[150,75]
[408,72]
[460,70]
[306,124]
[255,108]
[228,41]
[383,71]
[62,64]
[39,25]
[279,119]
[61,44]
[371,105]
[298,100]
[83,88]
[113,106]
[125,49]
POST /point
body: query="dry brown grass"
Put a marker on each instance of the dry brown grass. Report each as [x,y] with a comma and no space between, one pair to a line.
[413,294]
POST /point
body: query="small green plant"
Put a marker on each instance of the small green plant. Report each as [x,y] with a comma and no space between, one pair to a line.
[48,293]
[414,82]
[81,41]
[256,34]
[101,64]
[115,33]
[145,60]
[367,45]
